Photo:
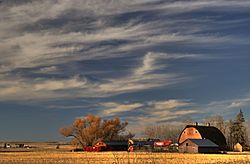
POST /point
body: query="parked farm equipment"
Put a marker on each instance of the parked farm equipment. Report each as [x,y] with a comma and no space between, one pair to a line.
[108,146]
[149,145]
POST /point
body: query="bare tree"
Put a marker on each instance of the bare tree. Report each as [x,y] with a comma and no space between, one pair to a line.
[248,132]
[164,131]
[216,121]
[187,120]
[88,130]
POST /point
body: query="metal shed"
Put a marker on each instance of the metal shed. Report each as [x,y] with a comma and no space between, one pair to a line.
[198,146]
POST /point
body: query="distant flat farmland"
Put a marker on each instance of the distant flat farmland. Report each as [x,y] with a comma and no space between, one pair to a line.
[47,153]
[48,157]
[34,146]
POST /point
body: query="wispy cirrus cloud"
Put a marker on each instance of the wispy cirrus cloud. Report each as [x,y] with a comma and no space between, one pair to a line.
[113,108]
[170,110]
[41,50]
[41,43]
[231,104]
[169,104]
[143,77]
[49,69]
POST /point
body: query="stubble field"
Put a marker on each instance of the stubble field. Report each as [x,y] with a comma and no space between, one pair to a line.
[50,157]
[46,153]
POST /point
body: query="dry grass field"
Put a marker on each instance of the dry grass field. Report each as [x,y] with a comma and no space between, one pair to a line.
[46,153]
[50,157]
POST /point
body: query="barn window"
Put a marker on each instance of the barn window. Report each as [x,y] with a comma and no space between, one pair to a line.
[186,144]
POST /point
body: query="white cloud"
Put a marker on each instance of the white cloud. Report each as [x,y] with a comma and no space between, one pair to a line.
[147,65]
[20,89]
[113,108]
[10,91]
[48,69]
[169,104]
[59,84]
[144,76]
[169,109]
[67,106]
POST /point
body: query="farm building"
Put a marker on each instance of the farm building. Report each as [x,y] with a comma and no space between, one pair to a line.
[238,147]
[198,146]
[203,132]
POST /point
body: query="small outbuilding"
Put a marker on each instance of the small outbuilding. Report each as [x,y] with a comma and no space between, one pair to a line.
[203,132]
[198,146]
[238,147]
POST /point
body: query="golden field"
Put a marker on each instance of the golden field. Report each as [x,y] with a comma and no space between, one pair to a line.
[50,157]
[46,153]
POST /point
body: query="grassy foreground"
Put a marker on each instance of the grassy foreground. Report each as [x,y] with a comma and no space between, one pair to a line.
[50,157]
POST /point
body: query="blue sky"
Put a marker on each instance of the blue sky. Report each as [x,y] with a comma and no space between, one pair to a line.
[145,61]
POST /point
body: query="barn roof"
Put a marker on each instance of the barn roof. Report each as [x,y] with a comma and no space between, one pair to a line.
[203,142]
[212,133]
